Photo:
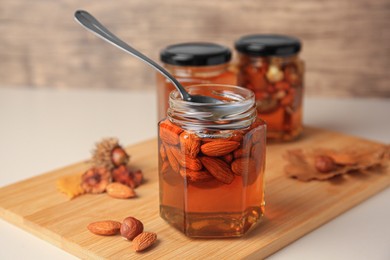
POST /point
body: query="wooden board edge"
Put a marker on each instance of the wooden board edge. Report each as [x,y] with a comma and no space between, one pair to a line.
[326,217]
[46,235]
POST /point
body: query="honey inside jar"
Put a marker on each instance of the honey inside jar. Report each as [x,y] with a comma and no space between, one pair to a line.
[211,173]
[192,64]
[269,66]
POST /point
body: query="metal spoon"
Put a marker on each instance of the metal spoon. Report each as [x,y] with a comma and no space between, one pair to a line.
[92,24]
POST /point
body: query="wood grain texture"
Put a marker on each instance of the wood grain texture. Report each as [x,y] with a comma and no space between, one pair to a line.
[346,42]
[293,208]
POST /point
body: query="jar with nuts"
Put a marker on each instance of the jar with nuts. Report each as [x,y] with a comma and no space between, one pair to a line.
[193,63]
[211,163]
[269,65]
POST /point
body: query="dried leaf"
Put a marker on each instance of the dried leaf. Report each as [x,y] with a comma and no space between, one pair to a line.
[301,164]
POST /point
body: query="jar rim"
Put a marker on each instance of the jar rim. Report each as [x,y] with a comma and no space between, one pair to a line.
[238,109]
[175,94]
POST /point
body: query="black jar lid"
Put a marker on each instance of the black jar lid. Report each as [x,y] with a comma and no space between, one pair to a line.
[268,45]
[195,54]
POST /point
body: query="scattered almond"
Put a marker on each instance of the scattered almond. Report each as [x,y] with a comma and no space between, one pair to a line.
[105,228]
[120,191]
[144,240]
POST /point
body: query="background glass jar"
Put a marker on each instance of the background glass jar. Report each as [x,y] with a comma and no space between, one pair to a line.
[269,65]
[191,64]
[211,163]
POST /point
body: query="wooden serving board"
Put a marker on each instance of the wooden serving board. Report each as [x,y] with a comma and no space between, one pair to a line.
[293,208]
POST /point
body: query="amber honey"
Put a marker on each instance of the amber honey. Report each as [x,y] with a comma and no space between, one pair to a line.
[211,176]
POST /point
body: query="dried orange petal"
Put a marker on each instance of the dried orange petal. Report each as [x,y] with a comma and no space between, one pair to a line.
[70,185]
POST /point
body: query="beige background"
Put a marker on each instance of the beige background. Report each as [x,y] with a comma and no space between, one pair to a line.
[346,42]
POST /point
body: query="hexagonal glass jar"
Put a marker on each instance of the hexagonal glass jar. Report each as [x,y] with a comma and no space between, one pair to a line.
[211,163]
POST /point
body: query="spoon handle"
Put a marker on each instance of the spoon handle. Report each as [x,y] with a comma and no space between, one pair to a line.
[90,23]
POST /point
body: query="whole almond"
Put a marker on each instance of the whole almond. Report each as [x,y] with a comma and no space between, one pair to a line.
[218,168]
[237,136]
[241,152]
[105,228]
[190,144]
[170,150]
[144,240]
[257,136]
[256,150]
[165,167]
[120,191]
[169,132]
[163,153]
[219,148]
[243,166]
[191,163]
[131,227]
[195,176]
[228,158]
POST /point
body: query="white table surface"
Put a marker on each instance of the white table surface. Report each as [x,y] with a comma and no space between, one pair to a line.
[44,129]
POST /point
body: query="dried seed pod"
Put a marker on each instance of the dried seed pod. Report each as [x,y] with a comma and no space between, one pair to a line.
[119,156]
[95,180]
[109,154]
[123,175]
[138,177]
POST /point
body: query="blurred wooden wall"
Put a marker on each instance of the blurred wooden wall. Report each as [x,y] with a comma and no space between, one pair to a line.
[346,42]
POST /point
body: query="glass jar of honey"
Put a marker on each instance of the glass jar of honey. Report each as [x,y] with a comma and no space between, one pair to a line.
[269,65]
[211,163]
[191,64]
